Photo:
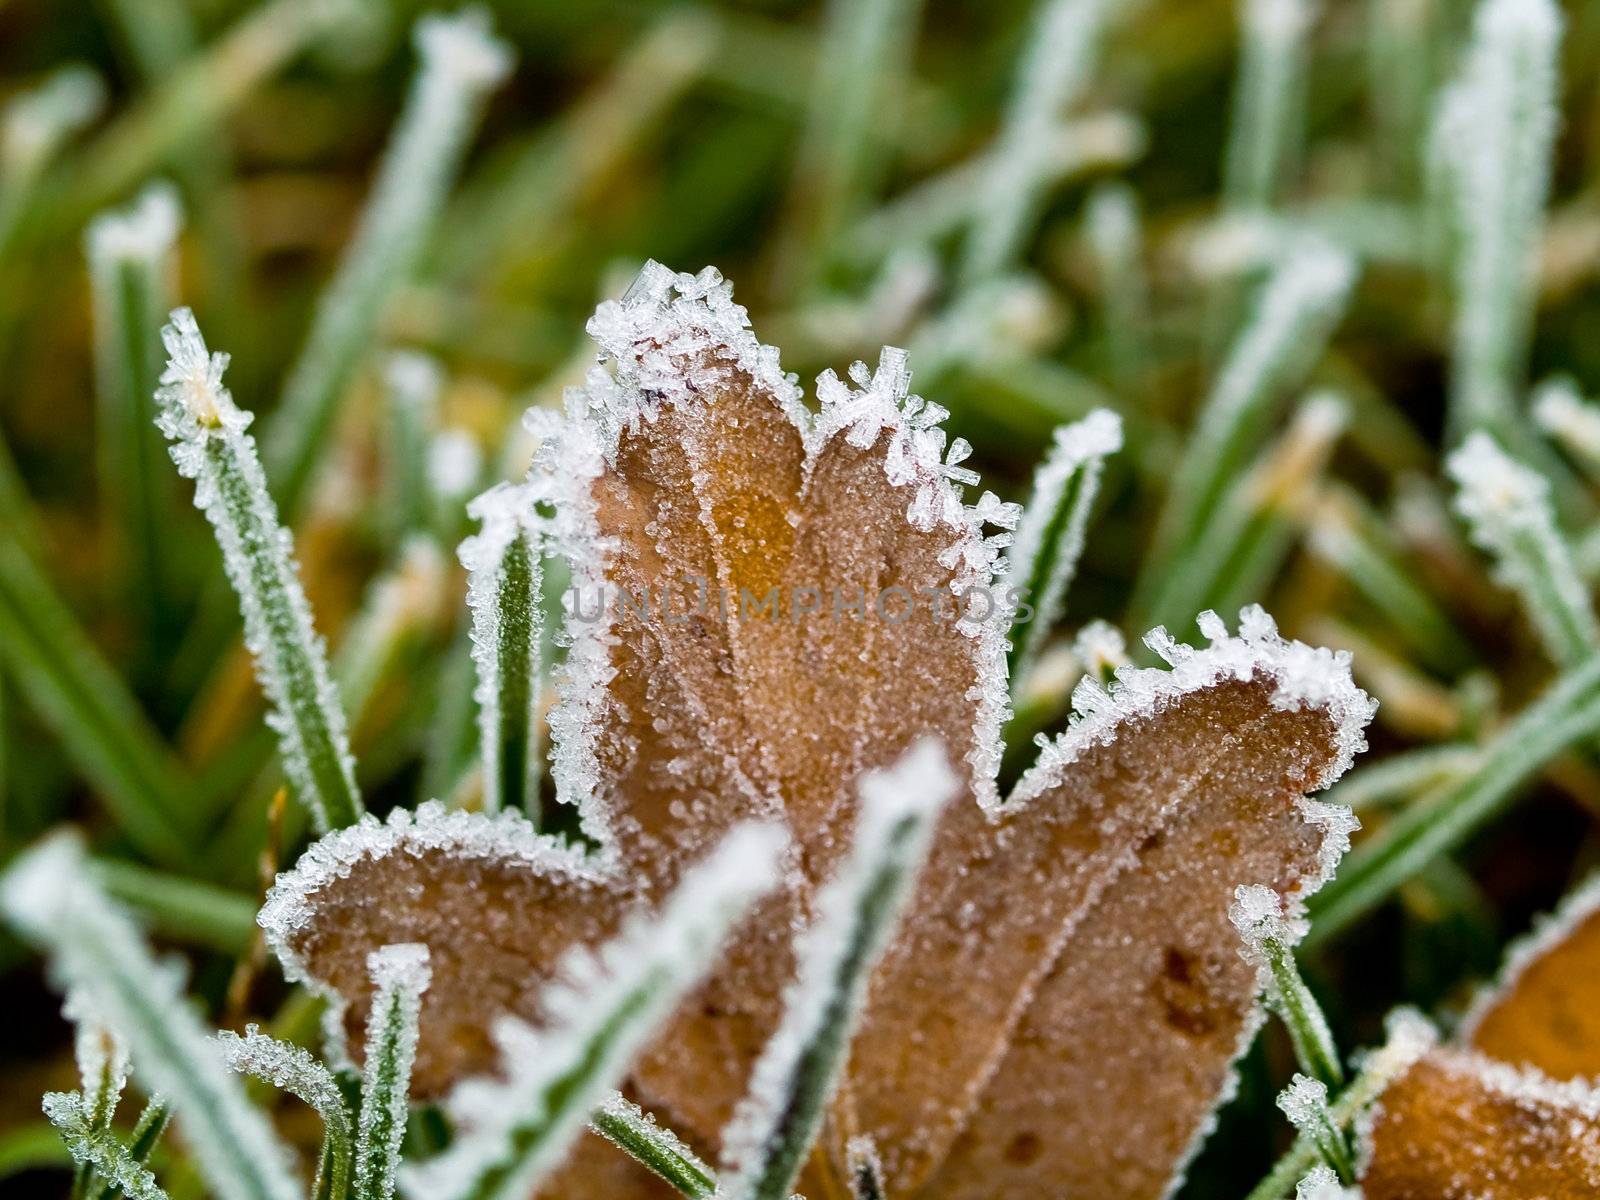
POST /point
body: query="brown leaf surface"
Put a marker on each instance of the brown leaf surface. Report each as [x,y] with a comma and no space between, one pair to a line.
[691,461]
[1547,1014]
[1150,1002]
[1459,1126]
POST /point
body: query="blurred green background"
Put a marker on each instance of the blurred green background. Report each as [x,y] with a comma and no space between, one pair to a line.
[833,164]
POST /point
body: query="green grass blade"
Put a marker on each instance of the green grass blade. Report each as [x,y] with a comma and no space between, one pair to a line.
[1268,101]
[1567,714]
[504,590]
[99,1148]
[64,678]
[51,897]
[460,63]
[147,1133]
[211,446]
[131,267]
[774,1127]
[1050,534]
[628,1127]
[400,975]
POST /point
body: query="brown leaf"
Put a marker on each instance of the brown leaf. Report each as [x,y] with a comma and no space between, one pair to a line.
[1460,1126]
[1546,1012]
[690,463]
[1127,1043]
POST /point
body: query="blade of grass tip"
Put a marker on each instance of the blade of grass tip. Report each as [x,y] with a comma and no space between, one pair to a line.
[193,97]
[400,975]
[1062,52]
[294,1070]
[460,64]
[520,202]
[1343,531]
[513,1130]
[211,446]
[1050,533]
[86,704]
[131,273]
[51,897]
[1112,229]
[628,1127]
[1507,507]
[774,1126]
[1305,1103]
[33,128]
[147,1134]
[1410,1036]
[1269,100]
[157,38]
[1574,423]
[866,1172]
[1568,713]
[1269,939]
[861,68]
[1499,139]
[1233,559]
[102,1062]
[504,583]
[413,385]
[186,910]
[1294,315]
[99,1149]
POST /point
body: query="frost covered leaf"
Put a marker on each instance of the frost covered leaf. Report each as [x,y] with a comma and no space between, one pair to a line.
[210,445]
[1111,1075]
[511,1131]
[850,610]
[1545,1013]
[1460,1126]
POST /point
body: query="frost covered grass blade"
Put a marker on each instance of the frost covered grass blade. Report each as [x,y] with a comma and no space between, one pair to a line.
[1269,939]
[504,563]
[131,270]
[293,1069]
[461,63]
[1293,315]
[1497,132]
[211,445]
[1507,506]
[628,1127]
[1268,101]
[514,1130]
[777,1122]
[399,975]
[96,1147]
[51,897]
[1050,535]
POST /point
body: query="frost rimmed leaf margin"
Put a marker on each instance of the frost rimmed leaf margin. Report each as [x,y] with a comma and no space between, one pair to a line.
[506,837]
[668,341]
[599,1012]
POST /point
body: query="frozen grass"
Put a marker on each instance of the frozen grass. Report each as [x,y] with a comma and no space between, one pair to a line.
[1274,248]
